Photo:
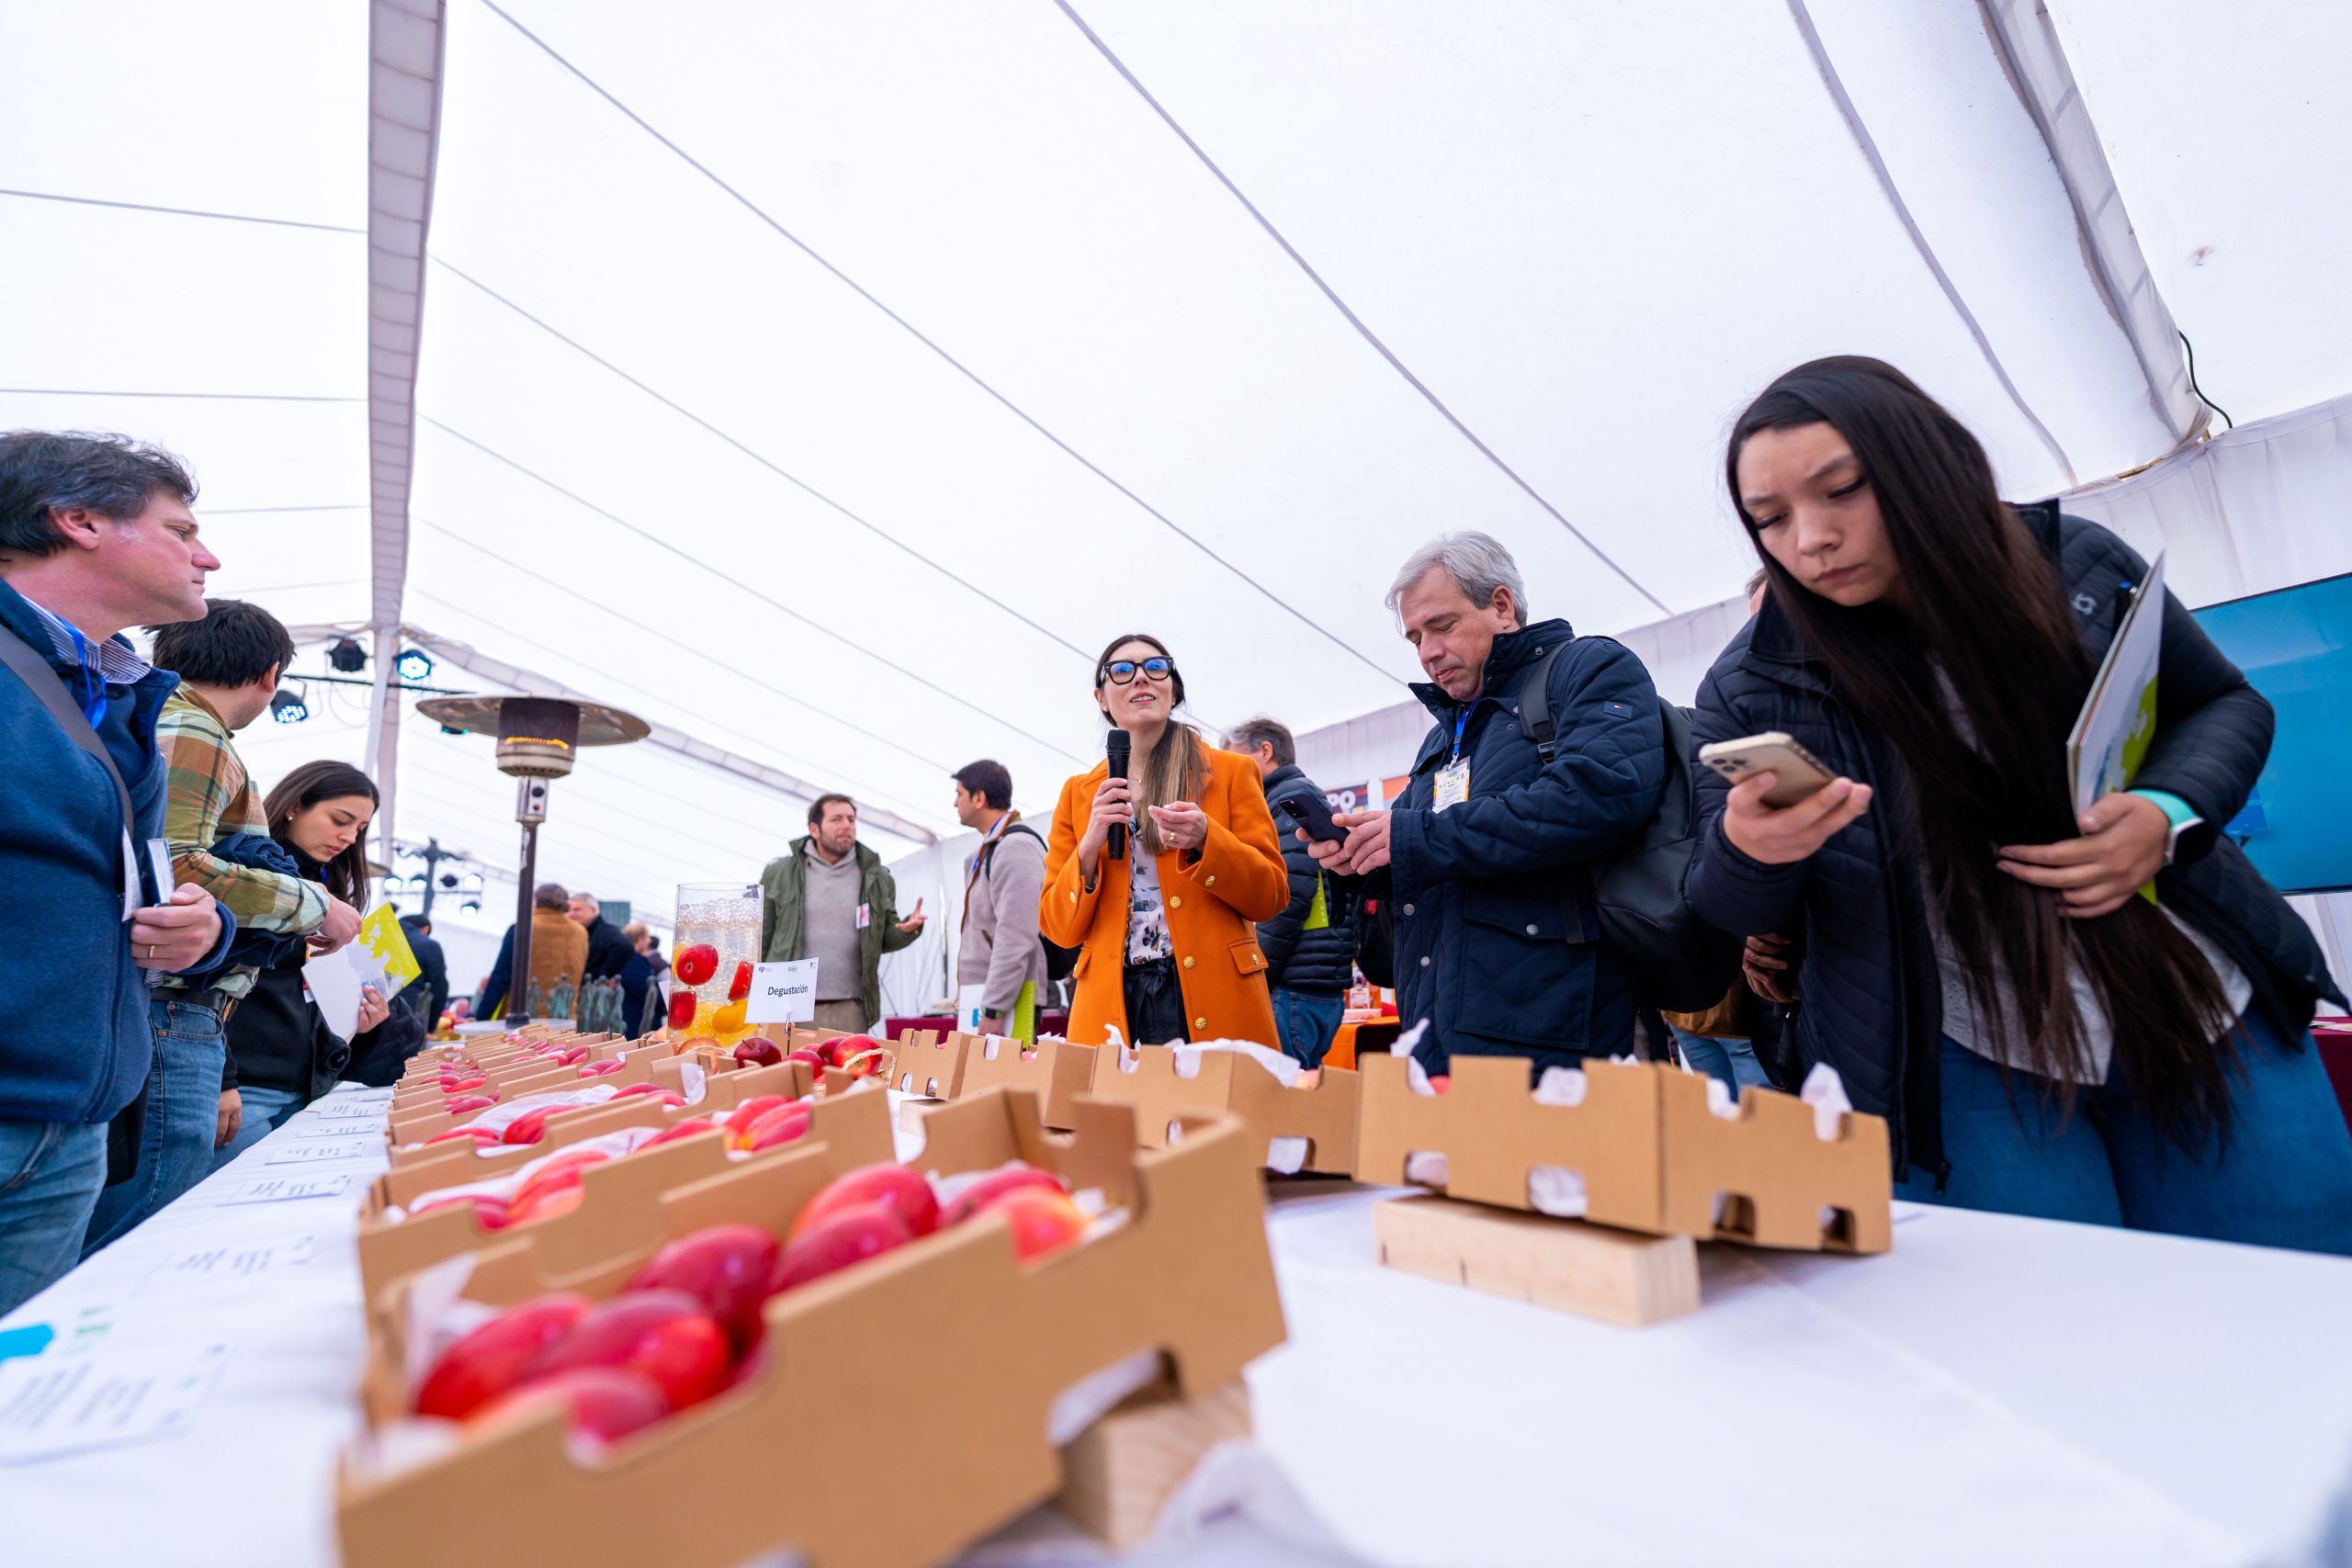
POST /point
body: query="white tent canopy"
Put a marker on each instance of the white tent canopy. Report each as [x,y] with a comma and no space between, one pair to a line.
[827,384]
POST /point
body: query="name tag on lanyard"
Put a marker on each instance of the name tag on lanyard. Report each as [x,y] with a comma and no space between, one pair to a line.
[1451,785]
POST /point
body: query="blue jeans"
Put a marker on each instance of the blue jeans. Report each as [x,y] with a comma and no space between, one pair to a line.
[182,1114]
[1732,1061]
[266,1110]
[2284,1179]
[1306,1024]
[51,1174]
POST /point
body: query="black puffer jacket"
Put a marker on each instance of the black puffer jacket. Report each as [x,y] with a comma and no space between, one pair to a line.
[277,1040]
[1872,1004]
[1317,963]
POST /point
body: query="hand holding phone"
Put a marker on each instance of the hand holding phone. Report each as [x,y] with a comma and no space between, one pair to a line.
[1788,818]
[1797,773]
[1314,816]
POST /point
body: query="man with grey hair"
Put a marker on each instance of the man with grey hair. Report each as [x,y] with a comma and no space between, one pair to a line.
[1484,865]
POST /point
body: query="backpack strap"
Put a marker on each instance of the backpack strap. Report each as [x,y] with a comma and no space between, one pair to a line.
[1535,703]
[987,855]
[42,681]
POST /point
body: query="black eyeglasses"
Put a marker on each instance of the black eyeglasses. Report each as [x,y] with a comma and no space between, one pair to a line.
[1122,672]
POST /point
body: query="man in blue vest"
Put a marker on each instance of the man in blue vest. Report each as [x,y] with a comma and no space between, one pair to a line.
[95,537]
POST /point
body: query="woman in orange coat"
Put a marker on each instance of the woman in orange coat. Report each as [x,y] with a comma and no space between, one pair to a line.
[1169,933]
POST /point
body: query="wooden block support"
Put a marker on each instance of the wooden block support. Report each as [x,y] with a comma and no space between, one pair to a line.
[1621,1277]
[1120,1472]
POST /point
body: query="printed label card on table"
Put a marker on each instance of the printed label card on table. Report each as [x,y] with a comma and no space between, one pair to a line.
[782,992]
[312,1151]
[231,1262]
[52,1407]
[344,1130]
[284,1189]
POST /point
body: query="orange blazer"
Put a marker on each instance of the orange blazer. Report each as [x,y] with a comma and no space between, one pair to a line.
[1214,897]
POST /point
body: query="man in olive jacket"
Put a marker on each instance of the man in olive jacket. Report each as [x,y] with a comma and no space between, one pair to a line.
[830,898]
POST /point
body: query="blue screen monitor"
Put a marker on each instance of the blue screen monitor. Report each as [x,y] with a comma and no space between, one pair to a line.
[2295,645]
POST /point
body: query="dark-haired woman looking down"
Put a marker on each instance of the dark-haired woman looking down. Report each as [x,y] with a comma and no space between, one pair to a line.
[1978,964]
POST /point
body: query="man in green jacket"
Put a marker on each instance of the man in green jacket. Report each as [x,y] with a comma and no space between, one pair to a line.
[830,898]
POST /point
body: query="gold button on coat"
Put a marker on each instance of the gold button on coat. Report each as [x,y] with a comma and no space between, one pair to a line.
[1200,1023]
[1188,962]
[1175,901]
[1209,880]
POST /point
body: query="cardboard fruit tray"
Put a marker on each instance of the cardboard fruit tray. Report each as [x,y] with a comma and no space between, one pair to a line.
[1057,1070]
[1228,1081]
[417,1125]
[948,1348]
[1653,1157]
[620,1197]
[928,1065]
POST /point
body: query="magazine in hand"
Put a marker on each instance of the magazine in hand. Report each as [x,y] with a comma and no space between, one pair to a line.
[2118,718]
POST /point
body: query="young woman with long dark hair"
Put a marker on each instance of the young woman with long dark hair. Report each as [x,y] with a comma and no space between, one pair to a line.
[1978,963]
[281,1053]
[1168,931]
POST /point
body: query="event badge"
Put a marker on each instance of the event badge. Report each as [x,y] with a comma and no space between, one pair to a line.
[1453,785]
[865,917]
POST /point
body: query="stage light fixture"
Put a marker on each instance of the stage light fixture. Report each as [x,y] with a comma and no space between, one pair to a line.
[348,656]
[415,664]
[287,708]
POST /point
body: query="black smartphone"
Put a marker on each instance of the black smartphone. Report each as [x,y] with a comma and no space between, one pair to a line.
[1314,816]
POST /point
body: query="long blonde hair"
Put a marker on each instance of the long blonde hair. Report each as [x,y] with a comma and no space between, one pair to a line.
[1177,768]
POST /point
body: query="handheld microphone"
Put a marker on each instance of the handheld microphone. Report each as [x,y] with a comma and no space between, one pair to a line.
[1115,749]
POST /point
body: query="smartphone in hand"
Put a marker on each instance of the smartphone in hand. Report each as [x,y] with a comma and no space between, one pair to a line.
[1799,772]
[1314,816]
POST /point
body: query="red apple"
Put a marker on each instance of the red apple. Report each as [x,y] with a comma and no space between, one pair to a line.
[663,1335]
[452,1085]
[993,1188]
[759,1051]
[811,1055]
[906,1192]
[559,1171]
[787,1124]
[1041,1222]
[685,1129]
[750,1111]
[693,1044]
[463,1104]
[598,1070]
[491,1359]
[478,1136]
[726,1268]
[694,964]
[529,1127]
[573,1056]
[682,1009]
[545,1204]
[839,1050]
[602,1403]
[740,987]
[1440,1082]
[491,1214]
[850,1237]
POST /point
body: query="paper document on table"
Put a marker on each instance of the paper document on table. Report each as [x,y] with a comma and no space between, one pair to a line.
[51,1406]
[2118,718]
[231,1262]
[279,1188]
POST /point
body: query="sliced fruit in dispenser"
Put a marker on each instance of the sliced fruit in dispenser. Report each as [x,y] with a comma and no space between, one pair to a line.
[682,1009]
[740,986]
[493,1359]
[731,1017]
[694,964]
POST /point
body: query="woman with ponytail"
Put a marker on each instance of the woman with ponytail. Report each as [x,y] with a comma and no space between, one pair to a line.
[1168,929]
[1979,965]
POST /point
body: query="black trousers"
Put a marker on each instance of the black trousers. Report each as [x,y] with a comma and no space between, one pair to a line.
[1155,1001]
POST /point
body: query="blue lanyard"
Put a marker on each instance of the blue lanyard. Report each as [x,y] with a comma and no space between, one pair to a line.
[93,683]
[1460,719]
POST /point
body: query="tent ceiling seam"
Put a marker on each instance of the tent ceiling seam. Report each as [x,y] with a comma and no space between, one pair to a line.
[773,467]
[851,644]
[958,365]
[222,397]
[465,656]
[662,636]
[182,211]
[1868,145]
[1362,330]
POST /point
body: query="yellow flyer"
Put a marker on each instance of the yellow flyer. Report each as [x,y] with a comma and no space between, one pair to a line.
[380,934]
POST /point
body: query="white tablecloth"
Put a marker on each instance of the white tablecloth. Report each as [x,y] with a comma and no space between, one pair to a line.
[1994,1392]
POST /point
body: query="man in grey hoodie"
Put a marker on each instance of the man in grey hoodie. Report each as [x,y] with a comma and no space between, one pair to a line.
[999,949]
